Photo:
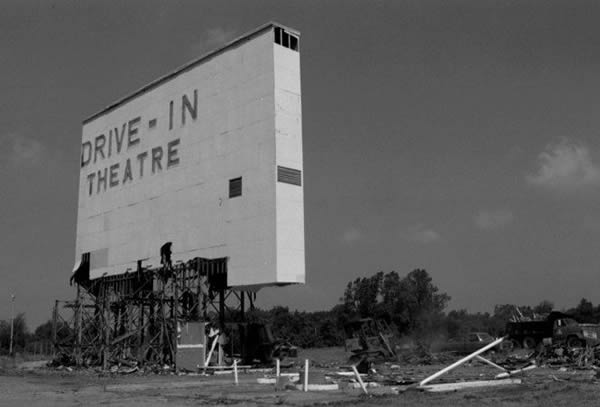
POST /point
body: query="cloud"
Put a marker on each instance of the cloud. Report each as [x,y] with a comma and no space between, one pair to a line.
[493,219]
[21,151]
[565,165]
[351,235]
[420,234]
[212,38]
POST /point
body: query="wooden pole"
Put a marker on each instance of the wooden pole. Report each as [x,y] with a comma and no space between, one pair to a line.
[489,362]
[78,327]
[235,372]
[460,362]
[212,349]
[306,375]
[222,309]
[105,328]
[172,336]
[514,372]
[243,305]
[54,328]
[441,387]
[362,384]
[12,323]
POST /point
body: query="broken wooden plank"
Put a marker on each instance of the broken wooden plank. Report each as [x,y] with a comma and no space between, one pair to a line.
[227,367]
[514,372]
[441,387]
[489,362]
[318,387]
[362,384]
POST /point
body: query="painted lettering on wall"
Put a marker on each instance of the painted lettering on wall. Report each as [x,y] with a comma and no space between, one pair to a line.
[124,138]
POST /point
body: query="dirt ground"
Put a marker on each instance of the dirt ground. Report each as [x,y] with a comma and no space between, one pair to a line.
[30,384]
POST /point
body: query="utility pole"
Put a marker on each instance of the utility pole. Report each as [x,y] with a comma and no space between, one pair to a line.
[12,323]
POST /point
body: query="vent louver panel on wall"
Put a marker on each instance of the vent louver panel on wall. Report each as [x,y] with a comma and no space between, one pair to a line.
[289,175]
[235,187]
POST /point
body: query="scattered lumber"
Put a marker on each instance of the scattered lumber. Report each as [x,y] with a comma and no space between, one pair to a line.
[441,387]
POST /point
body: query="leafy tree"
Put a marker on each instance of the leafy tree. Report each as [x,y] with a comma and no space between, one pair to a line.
[544,307]
[362,295]
[330,333]
[44,331]
[392,308]
[584,312]
[423,303]
[413,303]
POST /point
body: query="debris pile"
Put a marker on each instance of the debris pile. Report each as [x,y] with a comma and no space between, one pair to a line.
[571,357]
[421,356]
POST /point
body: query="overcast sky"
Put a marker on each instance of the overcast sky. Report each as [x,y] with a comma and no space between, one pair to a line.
[456,136]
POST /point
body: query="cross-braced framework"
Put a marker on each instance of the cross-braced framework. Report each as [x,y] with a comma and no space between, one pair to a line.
[134,316]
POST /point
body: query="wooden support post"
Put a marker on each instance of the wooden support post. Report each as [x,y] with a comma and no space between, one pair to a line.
[205,294]
[251,298]
[78,327]
[140,335]
[243,305]
[235,372]
[105,329]
[220,355]
[222,309]
[175,272]
[306,375]
[163,319]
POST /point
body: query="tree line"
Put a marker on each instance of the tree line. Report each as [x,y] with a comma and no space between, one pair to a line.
[412,304]
[38,341]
